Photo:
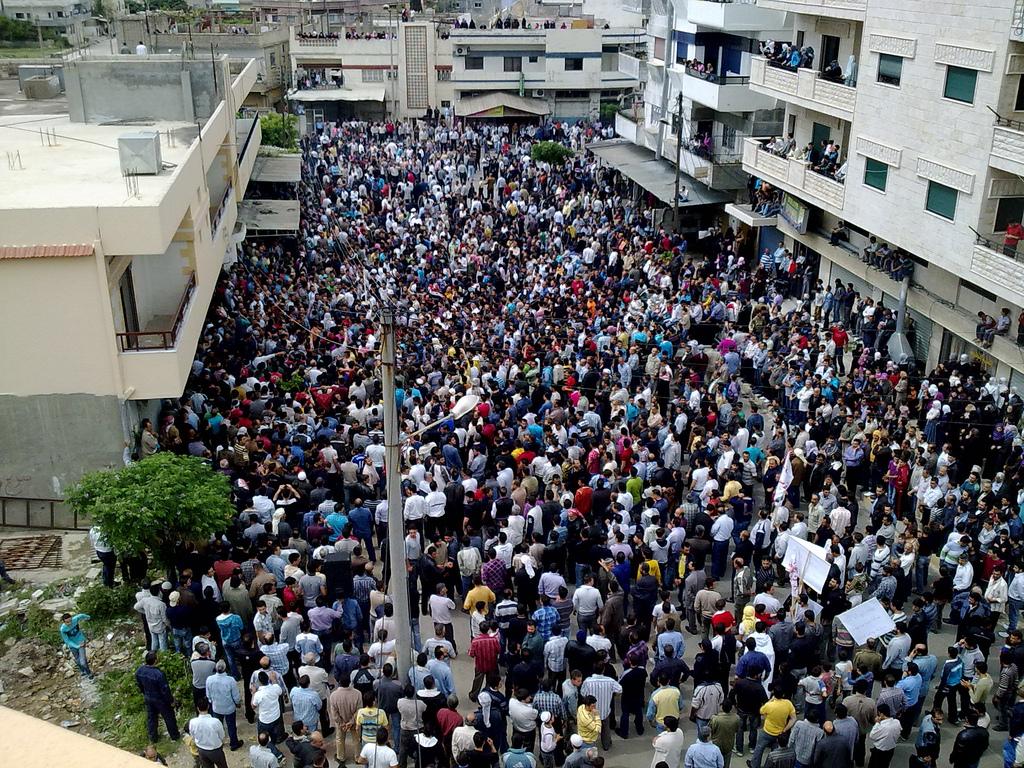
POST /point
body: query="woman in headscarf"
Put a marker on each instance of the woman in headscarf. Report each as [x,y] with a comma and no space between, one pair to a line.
[747,623]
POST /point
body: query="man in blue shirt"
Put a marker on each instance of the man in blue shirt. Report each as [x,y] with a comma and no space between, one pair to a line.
[441,672]
[306,704]
[222,692]
[911,686]
[361,520]
[230,626]
[156,695]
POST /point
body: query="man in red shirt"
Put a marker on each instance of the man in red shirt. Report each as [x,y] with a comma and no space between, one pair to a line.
[484,651]
[840,337]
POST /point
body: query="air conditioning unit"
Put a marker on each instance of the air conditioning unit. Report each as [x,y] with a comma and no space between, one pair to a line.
[140,153]
[460,51]
[538,94]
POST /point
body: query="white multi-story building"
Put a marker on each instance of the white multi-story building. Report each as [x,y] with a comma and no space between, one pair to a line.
[926,114]
[718,109]
[565,72]
[115,221]
[71,18]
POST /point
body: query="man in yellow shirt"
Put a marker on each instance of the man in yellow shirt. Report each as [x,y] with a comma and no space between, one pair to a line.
[664,702]
[779,716]
[588,722]
[480,592]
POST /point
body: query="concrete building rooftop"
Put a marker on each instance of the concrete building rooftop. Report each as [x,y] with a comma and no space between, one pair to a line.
[84,168]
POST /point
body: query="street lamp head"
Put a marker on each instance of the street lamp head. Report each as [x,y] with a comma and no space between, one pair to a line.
[464,405]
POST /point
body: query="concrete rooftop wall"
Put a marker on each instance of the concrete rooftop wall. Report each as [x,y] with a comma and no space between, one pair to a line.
[155,87]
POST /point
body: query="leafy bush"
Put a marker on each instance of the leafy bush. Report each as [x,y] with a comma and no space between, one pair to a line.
[104,604]
[120,716]
[608,111]
[550,152]
[280,130]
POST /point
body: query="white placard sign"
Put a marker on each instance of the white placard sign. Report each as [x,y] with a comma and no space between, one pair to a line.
[810,560]
[868,619]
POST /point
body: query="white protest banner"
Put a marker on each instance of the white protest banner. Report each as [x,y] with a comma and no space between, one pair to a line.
[810,562]
[868,619]
[785,480]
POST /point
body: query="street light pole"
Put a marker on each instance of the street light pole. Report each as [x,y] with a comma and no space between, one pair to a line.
[679,153]
[399,580]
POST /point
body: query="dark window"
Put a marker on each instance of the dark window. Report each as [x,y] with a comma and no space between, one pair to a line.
[978,290]
[890,69]
[574,65]
[1009,210]
[876,174]
[474,62]
[513,63]
[533,59]
[941,200]
[960,84]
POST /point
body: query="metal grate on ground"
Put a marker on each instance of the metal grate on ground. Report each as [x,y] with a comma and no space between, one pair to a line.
[31,552]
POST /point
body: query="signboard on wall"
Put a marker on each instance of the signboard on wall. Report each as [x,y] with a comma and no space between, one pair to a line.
[795,213]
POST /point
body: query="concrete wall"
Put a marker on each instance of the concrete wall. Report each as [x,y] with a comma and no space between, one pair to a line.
[49,441]
[157,88]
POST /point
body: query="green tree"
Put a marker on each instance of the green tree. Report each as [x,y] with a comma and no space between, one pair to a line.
[551,152]
[280,130]
[154,504]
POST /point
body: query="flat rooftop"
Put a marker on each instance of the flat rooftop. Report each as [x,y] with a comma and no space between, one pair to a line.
[84,168]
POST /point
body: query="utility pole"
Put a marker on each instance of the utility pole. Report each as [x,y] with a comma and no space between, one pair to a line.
[679,153]
[399,580]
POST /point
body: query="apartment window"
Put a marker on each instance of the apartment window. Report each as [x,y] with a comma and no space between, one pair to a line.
[444,75]
[1018,103]
[1008,211]
[890,68]
[474,62]
[941,200]
[574,65]
[445,104]
[273,59]
[513,63]
[373,75]
[659,48]
[960,84]
[876,174]
[532,59]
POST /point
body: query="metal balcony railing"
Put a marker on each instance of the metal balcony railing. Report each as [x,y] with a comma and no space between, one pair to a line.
[133,341]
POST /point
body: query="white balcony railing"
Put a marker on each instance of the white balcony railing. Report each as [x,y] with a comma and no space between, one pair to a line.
[837,9]
[1008,146]
[794,176]
[803,87]
[734,15]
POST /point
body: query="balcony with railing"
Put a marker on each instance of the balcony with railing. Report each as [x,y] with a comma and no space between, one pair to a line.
[1007,152]
[794,176]
[316,42]
[998,266]
[217,215]
[724,93]
[855,10]
[634,66]
[734,15]
[629,123]
[803,87]
[161,332]
[717,166]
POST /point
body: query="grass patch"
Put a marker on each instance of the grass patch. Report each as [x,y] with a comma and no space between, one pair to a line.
[27,53]
[120,716]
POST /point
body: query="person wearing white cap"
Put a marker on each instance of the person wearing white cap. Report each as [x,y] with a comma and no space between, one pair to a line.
[549,739]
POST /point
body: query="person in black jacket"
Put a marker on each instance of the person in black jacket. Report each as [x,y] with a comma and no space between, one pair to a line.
[156,694]
[970,743]
[633,700]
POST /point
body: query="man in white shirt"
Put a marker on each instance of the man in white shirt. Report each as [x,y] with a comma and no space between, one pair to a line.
[441,608]
[768,600]
[378,755]
[140,49]
[267,703]
[208,734]
[587,601]
[964,576]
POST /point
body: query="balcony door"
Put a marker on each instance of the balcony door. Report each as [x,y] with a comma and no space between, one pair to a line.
[829,51]
[128,306]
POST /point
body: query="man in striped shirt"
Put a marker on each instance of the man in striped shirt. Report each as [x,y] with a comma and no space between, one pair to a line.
[484,651]
[604,689]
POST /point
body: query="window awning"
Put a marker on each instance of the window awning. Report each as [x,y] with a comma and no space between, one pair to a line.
[657,176]
[338,94]
[273,168]
[500,105]
[269,216]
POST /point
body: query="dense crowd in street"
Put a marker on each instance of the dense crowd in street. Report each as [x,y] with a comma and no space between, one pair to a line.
[658,421]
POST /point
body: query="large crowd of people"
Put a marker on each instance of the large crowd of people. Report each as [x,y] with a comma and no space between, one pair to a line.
[658,421]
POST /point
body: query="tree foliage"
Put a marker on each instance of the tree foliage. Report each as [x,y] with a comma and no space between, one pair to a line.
[154,504]
[551,152]
[280,130]
[16,30]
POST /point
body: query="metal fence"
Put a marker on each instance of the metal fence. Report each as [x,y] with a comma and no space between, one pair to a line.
[46,514]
